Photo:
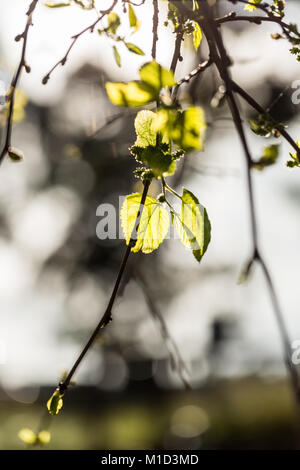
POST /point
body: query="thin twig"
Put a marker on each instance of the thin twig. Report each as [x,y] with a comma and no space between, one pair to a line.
[16,78]
[220,57]
[107,316]
[155,28]
[194,73]
[75,38]
[172,347]
[177,55]
[252,102]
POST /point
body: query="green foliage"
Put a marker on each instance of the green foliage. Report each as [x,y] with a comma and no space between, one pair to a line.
[55,402]
[269,157]
[57,5]
[295,162]
[153,227]
[157,76]
[193,225]
[84,4]
[153,147]
[113,24]
[264,126]
[138,93]
[186,129]
[133,48]
[133,21]
[117,56]
[167,134]
[113,21]
[144,128]
[197,35]
[160,163]
[132,94]
[250,7]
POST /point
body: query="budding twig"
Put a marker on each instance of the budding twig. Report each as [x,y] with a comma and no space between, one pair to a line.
[15,80]
[75,39]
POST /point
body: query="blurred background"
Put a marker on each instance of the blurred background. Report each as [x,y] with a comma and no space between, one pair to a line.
[174,319]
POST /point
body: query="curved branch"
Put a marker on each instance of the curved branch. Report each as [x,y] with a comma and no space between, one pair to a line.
[220,57]
[16,78]
[252,102]
[107,316]
[75,38]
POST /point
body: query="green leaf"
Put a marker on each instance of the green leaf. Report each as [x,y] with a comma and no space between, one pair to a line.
[154,223]
[57,5]
[113,22]
[252,7]
[117,56]
[146,134]
[133,21]
[133,48]
[192,225]
[295,158]
[138,93]
[55,403]
[133,94]
[207,236]
[269,157]
[173,15]
[186,129]
[197,35]
[157,76]
[160,163]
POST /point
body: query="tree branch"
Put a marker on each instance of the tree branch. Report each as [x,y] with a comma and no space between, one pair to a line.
[155,28]
[75,39]
[220,58]
[16,78]
[107,316]
[251,101]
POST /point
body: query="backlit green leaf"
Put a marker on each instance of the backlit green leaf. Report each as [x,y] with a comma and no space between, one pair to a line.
[55,403]
[269,157]
[160,163]
[57,5]
[146,134]
[157,76]
[154,223]
[117,56]
[132,94]
[113,22]
[133,21]
[295,158]
[252,7]
[197,35]
[192,225]
[186,129]
[133,48]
